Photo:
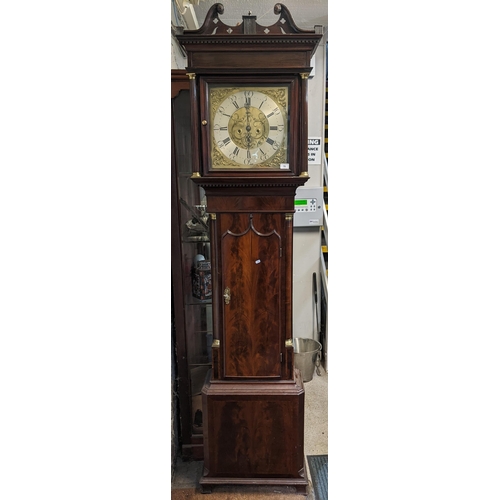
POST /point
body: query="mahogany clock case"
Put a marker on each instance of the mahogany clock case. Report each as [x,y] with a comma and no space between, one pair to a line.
[253,399]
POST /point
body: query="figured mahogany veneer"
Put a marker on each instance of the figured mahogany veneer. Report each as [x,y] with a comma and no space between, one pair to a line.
[254,434]
[251,261]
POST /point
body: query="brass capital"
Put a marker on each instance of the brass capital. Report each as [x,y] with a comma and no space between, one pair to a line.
[191,76]
[216,343]
[304,76]
[289,343]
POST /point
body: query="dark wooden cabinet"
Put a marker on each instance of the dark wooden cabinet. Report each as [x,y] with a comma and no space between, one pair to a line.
[248,94]
[191,287]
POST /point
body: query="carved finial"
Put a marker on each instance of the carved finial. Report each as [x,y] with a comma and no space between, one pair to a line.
[249,24]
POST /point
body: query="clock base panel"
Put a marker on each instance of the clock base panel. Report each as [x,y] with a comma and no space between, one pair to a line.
[254,433]
[300,484]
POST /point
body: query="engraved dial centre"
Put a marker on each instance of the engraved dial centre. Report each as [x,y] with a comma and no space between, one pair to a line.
[248,127]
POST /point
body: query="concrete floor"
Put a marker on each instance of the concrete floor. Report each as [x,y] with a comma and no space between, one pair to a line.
[187,474]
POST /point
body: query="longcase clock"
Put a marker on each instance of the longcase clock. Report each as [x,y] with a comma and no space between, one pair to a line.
[248,90]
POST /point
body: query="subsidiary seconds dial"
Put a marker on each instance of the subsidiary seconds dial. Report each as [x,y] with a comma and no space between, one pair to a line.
[249,127]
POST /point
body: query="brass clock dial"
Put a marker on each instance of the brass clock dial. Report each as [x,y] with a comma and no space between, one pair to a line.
[249,127]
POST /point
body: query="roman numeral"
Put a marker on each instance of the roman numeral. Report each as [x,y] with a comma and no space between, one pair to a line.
[226,141]
[275,111]
[221,111]
[236,151]
[273,127]
[270,141]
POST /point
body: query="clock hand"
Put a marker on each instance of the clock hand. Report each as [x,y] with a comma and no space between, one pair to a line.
[248,129]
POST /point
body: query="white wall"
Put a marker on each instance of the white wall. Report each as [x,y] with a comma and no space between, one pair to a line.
[307,241]
[177,58]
